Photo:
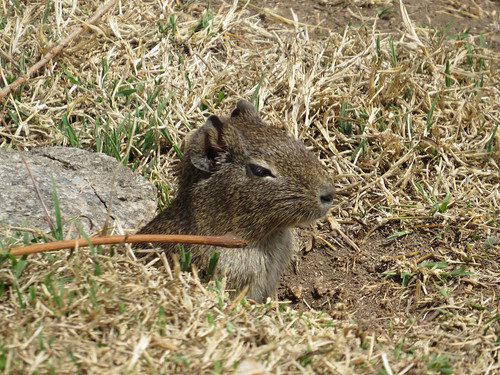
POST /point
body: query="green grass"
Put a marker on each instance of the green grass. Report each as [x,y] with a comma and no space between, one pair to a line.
[491,140]
[394,56]
[214,260]
[69,132]
[345,126]
[205,21]
[48,11]
[254,98]
[57,230]
[56,292]
[440,364]
[398,234]
[94,251]
[429,122]
[185,258]
[435,204]
[378,50]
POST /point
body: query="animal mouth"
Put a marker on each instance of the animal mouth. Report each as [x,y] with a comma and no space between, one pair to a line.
[312,218]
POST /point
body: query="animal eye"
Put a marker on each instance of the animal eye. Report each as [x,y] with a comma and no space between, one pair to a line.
[259,171]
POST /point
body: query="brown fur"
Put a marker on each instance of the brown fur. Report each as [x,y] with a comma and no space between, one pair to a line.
[220,192]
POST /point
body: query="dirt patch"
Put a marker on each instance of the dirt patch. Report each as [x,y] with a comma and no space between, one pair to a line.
[448,16]
[347,283]
[368,286]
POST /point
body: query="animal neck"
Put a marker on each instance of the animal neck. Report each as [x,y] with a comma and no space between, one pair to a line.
[272,239]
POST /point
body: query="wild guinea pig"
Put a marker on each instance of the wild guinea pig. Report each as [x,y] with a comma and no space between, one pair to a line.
[242,176]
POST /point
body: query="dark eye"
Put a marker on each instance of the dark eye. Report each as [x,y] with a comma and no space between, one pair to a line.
[259,171]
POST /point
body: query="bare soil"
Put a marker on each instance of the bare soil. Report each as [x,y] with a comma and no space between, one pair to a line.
[360,285]
[451,17]
[344,282]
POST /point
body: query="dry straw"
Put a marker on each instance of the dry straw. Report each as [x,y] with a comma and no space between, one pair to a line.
[407,124]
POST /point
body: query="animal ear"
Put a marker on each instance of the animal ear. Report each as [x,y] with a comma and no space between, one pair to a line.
[207,144]
[244,108]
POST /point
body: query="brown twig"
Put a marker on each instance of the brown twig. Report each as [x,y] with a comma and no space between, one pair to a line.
[269,12]
[223,241]
[336,226]
[425,257]
[57,49]
[37,191]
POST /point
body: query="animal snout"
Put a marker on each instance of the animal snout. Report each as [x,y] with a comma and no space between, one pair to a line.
[326,196]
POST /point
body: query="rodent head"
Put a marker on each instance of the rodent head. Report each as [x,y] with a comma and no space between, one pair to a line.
[246,177]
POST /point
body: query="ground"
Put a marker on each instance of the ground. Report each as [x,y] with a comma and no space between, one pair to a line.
[475,17]
[402,277]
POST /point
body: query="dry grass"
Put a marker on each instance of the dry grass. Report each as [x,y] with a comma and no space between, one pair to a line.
[407,123]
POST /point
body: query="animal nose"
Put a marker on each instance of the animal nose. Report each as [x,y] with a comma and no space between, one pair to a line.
[326,197]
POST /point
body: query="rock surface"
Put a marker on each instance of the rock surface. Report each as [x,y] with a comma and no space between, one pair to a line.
[84,184]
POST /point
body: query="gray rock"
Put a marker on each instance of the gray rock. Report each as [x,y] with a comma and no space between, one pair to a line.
[84,184]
